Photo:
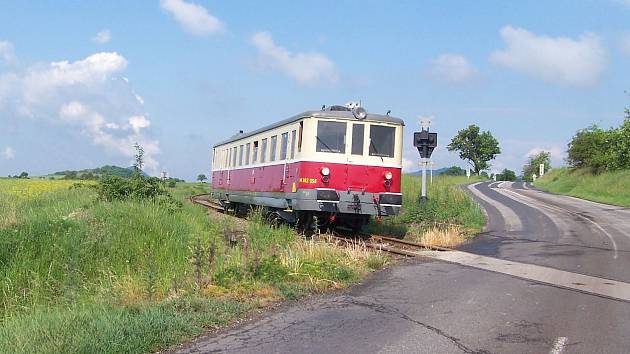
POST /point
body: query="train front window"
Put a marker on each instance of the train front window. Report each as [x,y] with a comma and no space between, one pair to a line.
[357,139]
[382,141]
[331,137]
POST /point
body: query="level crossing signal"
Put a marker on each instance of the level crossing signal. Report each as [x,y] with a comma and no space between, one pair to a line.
[425,142]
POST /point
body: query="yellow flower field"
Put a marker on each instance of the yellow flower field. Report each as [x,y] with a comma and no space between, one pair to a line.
[24,189]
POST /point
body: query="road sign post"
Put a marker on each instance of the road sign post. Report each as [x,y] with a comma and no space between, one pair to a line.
[541,170]
[425,142]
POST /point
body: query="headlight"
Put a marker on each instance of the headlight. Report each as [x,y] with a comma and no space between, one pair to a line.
[388,175]
[325,171]
[359,113]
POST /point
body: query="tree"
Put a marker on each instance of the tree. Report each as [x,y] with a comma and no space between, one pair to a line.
[201,178]
[533,165]
[23,175]
[139,159]
[475,147]
[454,171]
[506,175]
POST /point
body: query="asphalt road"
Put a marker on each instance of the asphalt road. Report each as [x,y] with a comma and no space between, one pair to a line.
[512,290]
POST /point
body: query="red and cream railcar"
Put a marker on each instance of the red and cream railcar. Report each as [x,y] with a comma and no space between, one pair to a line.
[332,167]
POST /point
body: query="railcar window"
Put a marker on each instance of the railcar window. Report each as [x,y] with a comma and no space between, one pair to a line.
[382,141]
[229,155]
[234,157]
[331,137]
[357,139]
[255,157]
[293,133]
[240,155]
[274,145]
[248,147]
[263,151]
[300,137]
[284,145]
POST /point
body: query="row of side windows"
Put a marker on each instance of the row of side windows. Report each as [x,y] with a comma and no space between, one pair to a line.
[240,155]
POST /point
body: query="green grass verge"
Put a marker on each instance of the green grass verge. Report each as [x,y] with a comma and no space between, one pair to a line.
[80,275]
[447,203]
[607,187]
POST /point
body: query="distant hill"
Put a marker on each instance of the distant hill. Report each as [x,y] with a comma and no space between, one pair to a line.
[105,170]
[453,171]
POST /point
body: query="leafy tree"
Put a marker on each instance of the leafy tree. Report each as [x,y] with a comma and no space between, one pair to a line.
[71,175]
[454,171]
[533,165]
[201,178]
[23,175]
[139,159]
[506,175]
[475,147]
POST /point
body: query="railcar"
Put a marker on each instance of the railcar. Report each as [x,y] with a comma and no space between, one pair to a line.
[337,166]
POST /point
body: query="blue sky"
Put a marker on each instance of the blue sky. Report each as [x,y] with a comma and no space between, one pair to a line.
[80,82]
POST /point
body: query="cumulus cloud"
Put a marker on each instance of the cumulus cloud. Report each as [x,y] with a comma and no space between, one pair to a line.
[8,153]
[6,52]
[452,68]
[102,37]
[409,165]
[303,67]
[87,96]
[558,153]
[192,17]
[561,60]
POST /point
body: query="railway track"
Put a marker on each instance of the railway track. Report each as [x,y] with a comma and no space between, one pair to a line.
[376,242]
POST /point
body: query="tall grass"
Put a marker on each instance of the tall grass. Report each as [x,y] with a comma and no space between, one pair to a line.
[447,204]
[606,187]
[82,275]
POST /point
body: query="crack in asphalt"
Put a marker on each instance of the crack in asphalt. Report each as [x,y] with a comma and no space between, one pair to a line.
[392,310]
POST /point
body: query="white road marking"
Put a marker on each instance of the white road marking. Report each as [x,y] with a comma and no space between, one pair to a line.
[512,221]
[558,345]
[561,209]
[525,186]
[585,283]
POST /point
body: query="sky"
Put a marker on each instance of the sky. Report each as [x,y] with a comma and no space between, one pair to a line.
[81,82]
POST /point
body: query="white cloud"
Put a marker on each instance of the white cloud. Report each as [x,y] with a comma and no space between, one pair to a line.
[192,17]
[409,165]
[623,2]
[624,43]
[87,96]
[8,153]
[102,37]
[452,68]
[303,67]
[562,60]
[558,153]
[6,52]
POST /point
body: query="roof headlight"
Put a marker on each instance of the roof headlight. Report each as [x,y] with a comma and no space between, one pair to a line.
[388,175]
[359,113]
[325,171]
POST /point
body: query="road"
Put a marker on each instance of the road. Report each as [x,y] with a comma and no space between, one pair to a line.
[549,274]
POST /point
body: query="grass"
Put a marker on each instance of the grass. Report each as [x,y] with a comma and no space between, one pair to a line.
[607,187]
[448,210]
[79,275]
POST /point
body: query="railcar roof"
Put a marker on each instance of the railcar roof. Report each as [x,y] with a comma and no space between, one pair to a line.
[345,115]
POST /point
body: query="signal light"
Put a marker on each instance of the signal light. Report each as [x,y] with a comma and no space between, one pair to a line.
[325,171]
[388,175]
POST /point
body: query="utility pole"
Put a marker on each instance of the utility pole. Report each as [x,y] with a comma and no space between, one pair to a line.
[425,142]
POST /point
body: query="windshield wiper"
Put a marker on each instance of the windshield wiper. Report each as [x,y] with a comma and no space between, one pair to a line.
[376,150]
[326,145]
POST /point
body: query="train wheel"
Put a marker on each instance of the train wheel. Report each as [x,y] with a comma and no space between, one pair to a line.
[274,219]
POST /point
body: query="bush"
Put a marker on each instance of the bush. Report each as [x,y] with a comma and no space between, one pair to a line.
[601,150]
